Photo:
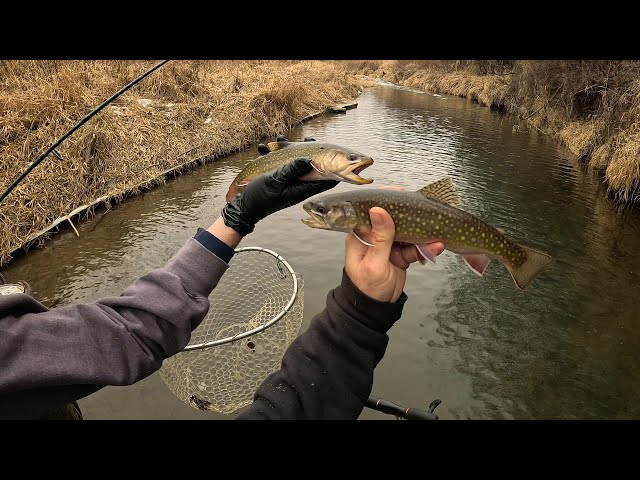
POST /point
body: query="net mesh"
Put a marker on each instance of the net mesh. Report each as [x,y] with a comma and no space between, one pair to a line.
[223,378]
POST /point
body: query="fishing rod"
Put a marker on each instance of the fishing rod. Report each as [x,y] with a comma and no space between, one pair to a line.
[406,413]
[372,402]
[84,120]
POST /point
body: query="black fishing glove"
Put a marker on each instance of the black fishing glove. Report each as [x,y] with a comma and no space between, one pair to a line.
[270,193]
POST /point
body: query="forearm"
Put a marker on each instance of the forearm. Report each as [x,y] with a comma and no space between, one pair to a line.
[114,341]
[226,234]
[327,372]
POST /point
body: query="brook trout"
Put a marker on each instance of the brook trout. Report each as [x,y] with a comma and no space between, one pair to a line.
[426,216]
[330,162]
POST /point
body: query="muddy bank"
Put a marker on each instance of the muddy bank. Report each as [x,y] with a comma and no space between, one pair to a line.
[186,113]
[592,107]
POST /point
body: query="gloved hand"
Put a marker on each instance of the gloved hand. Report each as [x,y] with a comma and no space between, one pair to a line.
[270,193]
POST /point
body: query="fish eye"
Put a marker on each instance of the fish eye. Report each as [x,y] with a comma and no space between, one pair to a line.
[321,148]
[353,156]
[320,209]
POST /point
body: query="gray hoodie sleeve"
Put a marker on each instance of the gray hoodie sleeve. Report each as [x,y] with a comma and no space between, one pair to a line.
[49,357]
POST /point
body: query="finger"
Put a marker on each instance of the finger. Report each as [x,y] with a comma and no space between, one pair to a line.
[300,191]
[317,186]
[397,257]
[382,232]
[405,256]
[431,250]
[292,171]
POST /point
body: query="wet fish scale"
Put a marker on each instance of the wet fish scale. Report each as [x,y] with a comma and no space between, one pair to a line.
[330,162]
[420,219]
[278,158]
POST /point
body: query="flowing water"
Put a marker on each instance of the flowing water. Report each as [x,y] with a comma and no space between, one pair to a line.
[567,347]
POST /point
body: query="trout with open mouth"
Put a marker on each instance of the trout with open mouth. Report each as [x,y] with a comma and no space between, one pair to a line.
[426,216]
[329,162]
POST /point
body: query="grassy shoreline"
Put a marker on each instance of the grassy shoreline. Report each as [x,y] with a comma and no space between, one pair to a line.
[592,107]
[185,113]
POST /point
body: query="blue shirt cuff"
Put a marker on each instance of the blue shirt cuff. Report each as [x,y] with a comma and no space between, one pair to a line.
[216,246]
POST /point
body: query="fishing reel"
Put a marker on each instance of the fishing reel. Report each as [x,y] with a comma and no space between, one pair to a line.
[403,413]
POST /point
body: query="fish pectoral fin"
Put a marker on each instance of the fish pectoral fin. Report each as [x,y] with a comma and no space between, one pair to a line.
[477,262]
[263,149]
[443,191]
[422,255]
[366,243]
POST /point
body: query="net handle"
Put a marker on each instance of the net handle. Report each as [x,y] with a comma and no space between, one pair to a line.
[222,341]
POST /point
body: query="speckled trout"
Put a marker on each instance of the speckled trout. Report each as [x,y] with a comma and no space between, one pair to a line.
[330,162]
[426,216]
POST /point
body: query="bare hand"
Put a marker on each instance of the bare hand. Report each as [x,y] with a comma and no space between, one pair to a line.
[380,271]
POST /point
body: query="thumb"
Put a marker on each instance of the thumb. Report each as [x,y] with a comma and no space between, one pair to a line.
[383,231]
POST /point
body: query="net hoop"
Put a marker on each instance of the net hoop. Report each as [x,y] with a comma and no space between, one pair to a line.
[280,262]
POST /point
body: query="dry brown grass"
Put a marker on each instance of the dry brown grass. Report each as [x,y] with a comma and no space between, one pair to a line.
[185,111]
[593,107]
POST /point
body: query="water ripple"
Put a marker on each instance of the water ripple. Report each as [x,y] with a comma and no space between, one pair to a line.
[565,348]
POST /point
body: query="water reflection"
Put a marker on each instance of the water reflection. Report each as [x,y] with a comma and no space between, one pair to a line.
[564,348]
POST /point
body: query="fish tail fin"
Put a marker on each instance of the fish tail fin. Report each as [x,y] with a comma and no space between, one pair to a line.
[535,263]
